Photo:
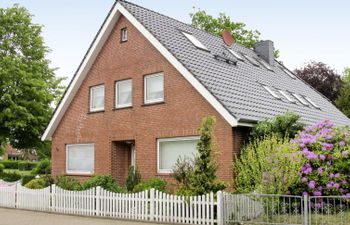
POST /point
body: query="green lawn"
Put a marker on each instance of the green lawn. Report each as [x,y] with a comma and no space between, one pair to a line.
[18,171]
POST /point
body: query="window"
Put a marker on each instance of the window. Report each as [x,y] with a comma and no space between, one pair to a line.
[251,60]
[265,64]
[301,99]
[312,103]
[154,88]
[169,150]
[123,90]
[289,73]
[195,41]
[97,98]
[80,159]
[235,54]
[272,92]
[287,96]
[124,34]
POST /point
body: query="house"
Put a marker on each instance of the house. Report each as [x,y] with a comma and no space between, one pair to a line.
[145,84]
[12,153]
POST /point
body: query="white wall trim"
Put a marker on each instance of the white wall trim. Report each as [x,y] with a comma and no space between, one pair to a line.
[93,53]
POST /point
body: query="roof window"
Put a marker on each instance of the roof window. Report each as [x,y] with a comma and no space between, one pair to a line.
[289,73]
[272,92]
[312,103]
[195,41]
[301,99]
[287,96]
[235,54]
[251,60]
[265,64]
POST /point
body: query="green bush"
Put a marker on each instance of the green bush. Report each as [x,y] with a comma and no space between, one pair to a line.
[26,179]
[156,183]
[68,183]
[43,167]
[10,164]
[133,178]
[10,176]
[2,167]
[40,183]
[26,165]
[107,182]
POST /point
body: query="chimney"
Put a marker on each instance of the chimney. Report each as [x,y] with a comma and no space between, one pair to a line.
[266,51]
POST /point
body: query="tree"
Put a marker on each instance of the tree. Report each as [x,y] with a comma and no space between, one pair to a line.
[343,101]
[285,125]
[28,86]
[321,77]
[216,26]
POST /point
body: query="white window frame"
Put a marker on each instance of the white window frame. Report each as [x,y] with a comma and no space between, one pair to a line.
[118,106]
[265,64]
[160,140]
[69,172]
[289,73]
[287,96]
[195,41]
[124,34]
[272,92]
[252,60]
[301,99]
[235,54]
[312,103]
[145,89]
[91,98]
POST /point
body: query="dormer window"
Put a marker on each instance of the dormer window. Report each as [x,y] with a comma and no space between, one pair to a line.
[124,35]
[195,41]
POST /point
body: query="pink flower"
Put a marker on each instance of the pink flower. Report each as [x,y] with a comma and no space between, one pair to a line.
[320,170]
[317,193]
[336,185]
[322,157]
[312,184]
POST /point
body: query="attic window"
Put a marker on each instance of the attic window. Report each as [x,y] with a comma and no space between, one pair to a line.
[289,73]
[195,41]
[272,92]
[301,99]
[124,34]
[235,54]
[251,60]
[287,96]
[265,64]
[312,103]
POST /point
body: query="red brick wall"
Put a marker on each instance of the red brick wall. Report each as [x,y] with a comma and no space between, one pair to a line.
[180,115]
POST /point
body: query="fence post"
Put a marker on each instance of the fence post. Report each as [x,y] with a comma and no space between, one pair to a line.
[219,208]
[306,217]
[98,200]
[16,195]
[53,198]
[151,216]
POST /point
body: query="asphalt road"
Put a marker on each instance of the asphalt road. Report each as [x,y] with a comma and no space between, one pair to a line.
[22,217]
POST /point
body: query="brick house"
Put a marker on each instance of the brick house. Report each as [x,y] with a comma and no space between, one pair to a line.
[145,84]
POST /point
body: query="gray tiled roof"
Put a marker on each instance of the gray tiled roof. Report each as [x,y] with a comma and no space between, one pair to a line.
[238,88]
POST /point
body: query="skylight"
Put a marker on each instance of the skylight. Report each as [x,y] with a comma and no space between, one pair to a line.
[251,60]
[195,41]
[265,64]
[287,96]
[312,103]
[272,92]
[235,54]
[289,73]
[301,99]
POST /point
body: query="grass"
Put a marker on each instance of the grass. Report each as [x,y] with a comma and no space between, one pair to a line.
[27,172]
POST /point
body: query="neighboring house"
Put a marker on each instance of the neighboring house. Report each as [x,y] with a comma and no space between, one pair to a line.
[147,81]
[12,153]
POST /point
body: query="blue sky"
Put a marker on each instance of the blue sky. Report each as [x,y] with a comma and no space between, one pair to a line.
[302,30]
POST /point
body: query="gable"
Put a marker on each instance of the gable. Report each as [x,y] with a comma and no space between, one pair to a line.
[98,43]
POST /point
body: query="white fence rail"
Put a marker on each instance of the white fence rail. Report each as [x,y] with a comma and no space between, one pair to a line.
[149,205]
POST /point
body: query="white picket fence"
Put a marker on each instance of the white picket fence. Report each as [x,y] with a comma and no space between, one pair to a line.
[149,205]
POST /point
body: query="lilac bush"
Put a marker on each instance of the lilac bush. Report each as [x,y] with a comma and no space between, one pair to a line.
[326,150]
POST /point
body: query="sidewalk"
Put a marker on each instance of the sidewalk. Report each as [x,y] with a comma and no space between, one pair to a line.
[16,217]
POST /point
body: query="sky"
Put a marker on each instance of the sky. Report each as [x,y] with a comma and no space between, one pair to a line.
[302,30]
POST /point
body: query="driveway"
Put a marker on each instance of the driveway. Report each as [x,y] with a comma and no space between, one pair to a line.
[17,217]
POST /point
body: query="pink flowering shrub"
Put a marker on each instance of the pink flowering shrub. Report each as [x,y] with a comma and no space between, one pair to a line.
[327,168]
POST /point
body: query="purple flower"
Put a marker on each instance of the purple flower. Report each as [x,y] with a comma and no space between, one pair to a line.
[317,193]
[311,156]
[336,186]
[312,184]
[305,193]
[341,190]
[329,186]
[344,153]
[320,170]
[320,188]
[344,182]
[322,157]
[342,143]
[329,164]
[331,175]
[304,180]
[327,146]
[336,175]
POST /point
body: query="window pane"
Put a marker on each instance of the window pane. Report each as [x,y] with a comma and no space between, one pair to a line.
[154,88]
[170,151]
[97,97]
[80,158]
[124,90]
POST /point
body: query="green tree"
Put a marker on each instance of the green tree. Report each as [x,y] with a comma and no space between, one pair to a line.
[28,86]
[285,125]
[343,101]
[204,177]
[346,75]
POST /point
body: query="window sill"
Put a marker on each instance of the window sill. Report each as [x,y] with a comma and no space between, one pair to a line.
[121,108]
[164,174]
[97,111]
[153,103]
[79,174]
